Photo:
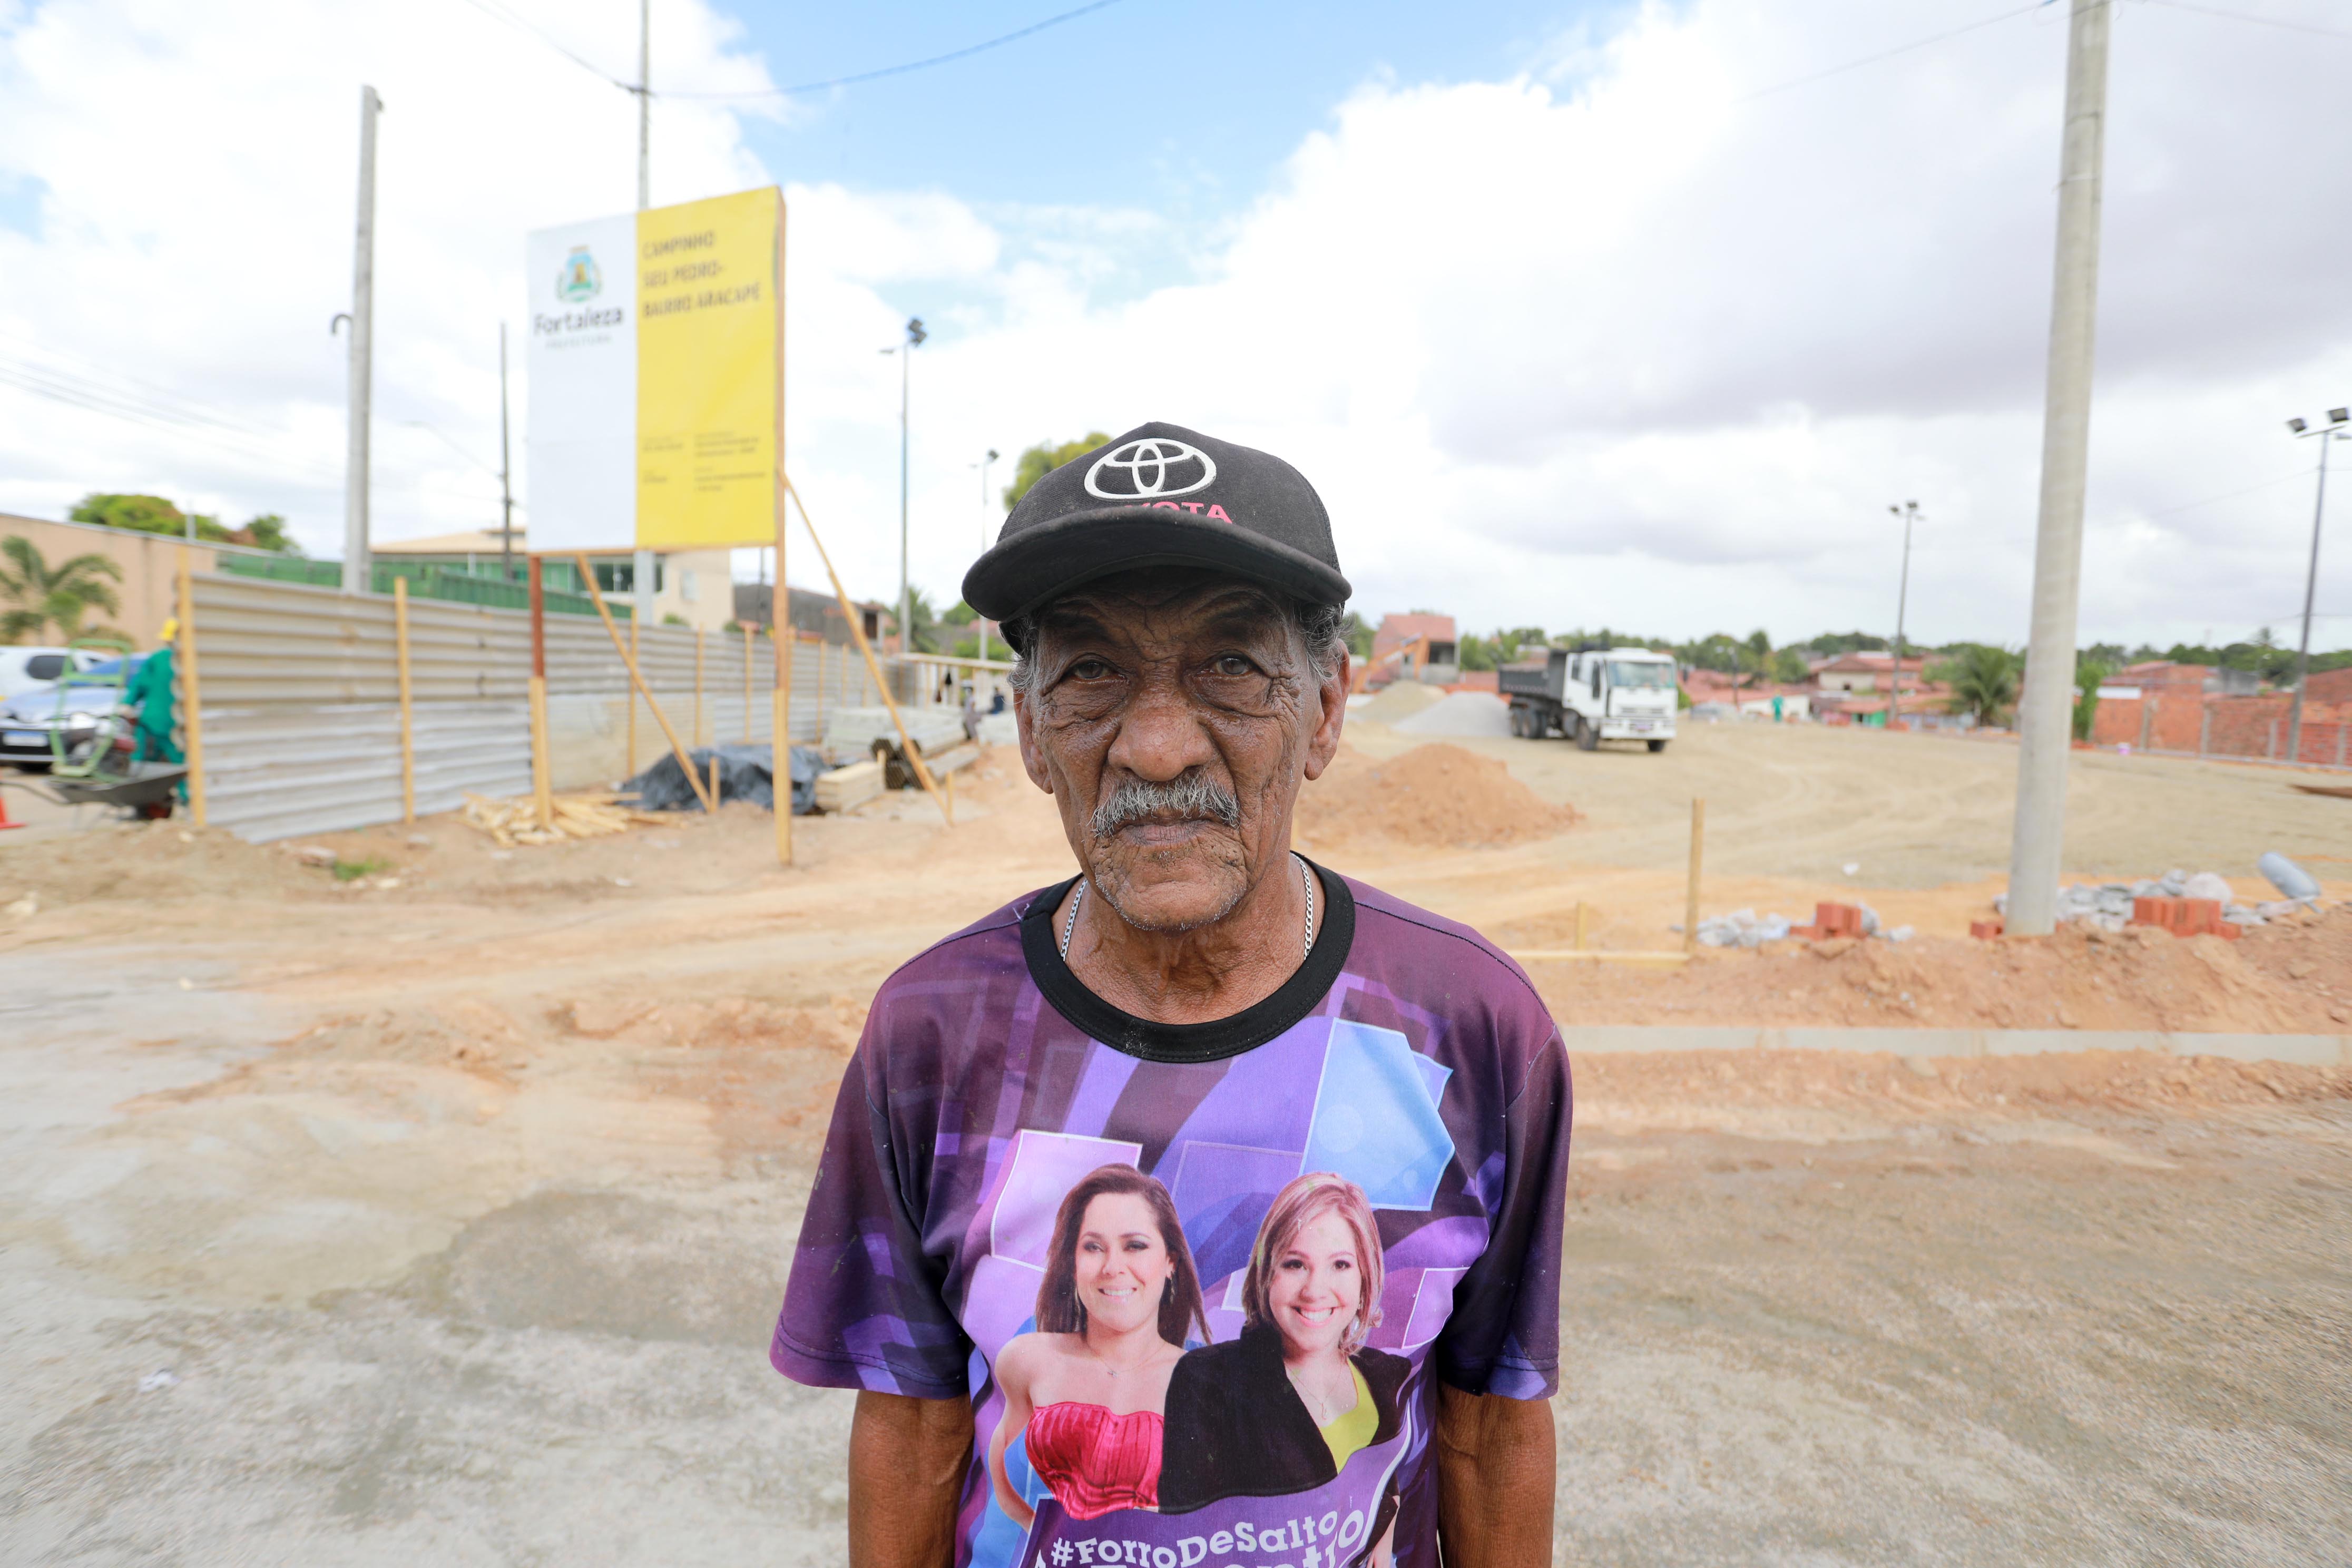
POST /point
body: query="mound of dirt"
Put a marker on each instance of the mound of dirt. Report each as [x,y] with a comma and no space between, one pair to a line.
[2292,977]
[1401,699]
[1460,713]
[1432,797]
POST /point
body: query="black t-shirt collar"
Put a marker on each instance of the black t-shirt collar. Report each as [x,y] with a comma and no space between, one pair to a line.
[1295,999]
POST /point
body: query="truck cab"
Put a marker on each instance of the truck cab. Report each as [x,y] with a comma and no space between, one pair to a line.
[1622,694]
[1594,694]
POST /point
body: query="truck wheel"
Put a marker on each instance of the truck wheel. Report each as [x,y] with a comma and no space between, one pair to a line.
[1518,722]
[1587,738]
[1657,745]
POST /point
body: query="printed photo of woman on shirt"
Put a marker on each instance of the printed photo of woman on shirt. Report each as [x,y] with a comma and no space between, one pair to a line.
[1089,1387]
[1285,1406]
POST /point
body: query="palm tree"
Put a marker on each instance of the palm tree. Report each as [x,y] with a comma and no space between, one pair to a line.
[1984,682]
[39,597]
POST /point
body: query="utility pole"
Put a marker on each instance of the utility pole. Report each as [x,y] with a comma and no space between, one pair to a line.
[2327,435]
[505,472]
[1910,512]
[641,563]
[2044,722]
[915,336]
[985,464]
[355,461]
[645,103]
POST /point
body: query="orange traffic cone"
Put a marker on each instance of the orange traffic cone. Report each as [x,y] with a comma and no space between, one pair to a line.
[5,822]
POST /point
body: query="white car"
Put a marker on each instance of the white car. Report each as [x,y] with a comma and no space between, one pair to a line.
[23,669]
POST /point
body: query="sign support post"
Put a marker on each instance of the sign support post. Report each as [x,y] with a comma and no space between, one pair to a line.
[543,766]
[780,610]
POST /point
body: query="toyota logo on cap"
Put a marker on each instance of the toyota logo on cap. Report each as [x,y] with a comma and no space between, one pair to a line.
[1151,470]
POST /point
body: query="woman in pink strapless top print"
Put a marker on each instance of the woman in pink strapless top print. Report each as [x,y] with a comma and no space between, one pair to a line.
[1088,1388]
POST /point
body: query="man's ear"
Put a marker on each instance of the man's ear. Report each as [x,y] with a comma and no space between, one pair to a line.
[1331,695]
[1033,761]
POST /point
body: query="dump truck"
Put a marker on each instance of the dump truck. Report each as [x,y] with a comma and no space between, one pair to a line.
[1592,694]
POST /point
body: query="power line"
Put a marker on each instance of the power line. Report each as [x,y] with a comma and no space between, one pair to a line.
[2246,16]
[493,8]
[964,53]
[2233,495]
[1885,55]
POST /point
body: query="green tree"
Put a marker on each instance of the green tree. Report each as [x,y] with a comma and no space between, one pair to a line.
[2089,672]
[154,514]
[961,615]
[1475,652]
[1789,665]
[1042,460]
[267,531]
[1984,682]
[39,596]
[925,633]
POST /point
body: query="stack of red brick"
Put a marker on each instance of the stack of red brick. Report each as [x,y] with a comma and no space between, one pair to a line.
[1828,920]
[2183,917]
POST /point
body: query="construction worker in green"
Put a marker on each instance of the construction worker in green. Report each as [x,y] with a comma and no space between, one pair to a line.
[148,696]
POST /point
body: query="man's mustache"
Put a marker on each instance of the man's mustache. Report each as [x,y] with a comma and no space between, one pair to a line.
[1190,797]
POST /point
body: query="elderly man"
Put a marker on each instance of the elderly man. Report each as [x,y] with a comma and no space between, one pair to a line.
[1208,1166]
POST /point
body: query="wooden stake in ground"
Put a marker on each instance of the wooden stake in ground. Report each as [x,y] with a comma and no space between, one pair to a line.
[407,711]
[192,707]
[543,766]
[746,681]
[632,657]
[701,735]
[1690,907]
[906,742]
[637,684]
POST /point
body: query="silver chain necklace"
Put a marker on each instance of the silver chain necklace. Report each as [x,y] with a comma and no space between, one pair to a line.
[1305,879]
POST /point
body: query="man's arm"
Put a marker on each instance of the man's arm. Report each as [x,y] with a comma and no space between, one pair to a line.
[1497,1466]
[908,1458]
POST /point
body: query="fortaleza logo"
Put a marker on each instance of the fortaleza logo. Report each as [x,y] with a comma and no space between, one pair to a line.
[581,278]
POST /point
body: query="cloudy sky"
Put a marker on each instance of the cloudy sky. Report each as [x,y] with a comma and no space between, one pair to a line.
[1575,313]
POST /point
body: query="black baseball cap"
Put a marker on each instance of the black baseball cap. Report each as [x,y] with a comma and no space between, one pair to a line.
[1160,495]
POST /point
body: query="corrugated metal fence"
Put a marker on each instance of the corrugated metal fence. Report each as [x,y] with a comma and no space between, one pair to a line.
[301,701]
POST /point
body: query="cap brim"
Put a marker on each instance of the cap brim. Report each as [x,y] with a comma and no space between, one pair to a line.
[1021,573]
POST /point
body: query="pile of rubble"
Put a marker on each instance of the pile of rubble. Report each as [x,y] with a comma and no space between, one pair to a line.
[1745,928]
[2109,906]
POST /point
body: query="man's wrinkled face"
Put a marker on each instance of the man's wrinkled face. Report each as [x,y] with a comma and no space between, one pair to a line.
[1172,715]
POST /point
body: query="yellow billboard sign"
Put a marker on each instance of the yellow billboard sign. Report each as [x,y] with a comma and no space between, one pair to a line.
[658,377]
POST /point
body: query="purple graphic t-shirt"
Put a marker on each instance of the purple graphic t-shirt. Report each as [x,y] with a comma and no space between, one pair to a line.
[1199,1280]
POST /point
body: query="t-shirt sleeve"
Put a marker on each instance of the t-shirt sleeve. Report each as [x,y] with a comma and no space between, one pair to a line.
[864,1306]
[1504,1334]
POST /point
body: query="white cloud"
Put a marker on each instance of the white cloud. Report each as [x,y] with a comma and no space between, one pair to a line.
[1605,344]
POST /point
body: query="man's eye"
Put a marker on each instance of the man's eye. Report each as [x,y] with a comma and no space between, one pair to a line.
[1231,663]
[1089,669]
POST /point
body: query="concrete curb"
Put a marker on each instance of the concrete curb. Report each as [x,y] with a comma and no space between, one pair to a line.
[2306,1050]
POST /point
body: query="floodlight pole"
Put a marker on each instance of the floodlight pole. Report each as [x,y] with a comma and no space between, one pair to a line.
[2044,720]
[2328,435]
[355,461]
[914,335]
[985,464]
[1910,512]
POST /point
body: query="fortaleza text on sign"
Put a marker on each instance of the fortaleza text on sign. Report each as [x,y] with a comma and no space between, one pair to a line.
[655,383]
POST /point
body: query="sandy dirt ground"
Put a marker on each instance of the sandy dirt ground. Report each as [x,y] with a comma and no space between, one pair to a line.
[440,1215]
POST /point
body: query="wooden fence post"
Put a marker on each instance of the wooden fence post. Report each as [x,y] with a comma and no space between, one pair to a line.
[631,692]
[1690,904]
[407,709]
[746,682]
[701,735]
[196,691]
